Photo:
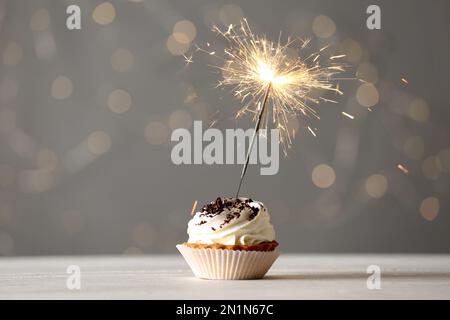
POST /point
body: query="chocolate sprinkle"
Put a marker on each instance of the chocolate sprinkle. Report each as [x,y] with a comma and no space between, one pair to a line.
[235,206]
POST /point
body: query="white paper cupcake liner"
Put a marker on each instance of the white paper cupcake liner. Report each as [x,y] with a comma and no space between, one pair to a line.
[220,264]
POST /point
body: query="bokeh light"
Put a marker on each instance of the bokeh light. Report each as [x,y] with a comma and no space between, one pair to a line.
[104,13]
[323,176]
[323,26]
[175,47]
[429,208]
[119,101]
[156,133]
[12,54]
[419,110]
[99,142]
[367,95]
[40,20]
[184,31]
[62,88]
[230,14]
[180,119]
[122,60]
[431,167]
[35,181]
[367,72]
[46,159]
[376,185]
[352,50]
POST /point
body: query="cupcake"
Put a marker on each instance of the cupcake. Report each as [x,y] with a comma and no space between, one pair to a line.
[230,238]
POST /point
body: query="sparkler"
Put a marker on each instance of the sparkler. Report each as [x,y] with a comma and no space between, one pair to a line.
[261,72]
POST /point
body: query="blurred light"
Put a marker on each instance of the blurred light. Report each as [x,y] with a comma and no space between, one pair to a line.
[419,110]
[184,31]
[104,13]
[444,159]
[119,101]
[122,60]
[47,159]
[367,95]
[6,214]
[210,14]
[367,72]
[7,120]
[156,133]
[414,147]
[62,88]
[6,244]
[7,175]
[323,26]
[78,157]
[431,168]
[35,181]
[429,208]
[143,235]
[45,46]
[230,14]
[40,20]
[99,142]
[376,185]
[176,48]
[72,221]
[323,176]
[21,143]
[352,50]
[12,54]
[180,119]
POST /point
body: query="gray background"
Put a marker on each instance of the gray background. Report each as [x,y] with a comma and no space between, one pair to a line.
[59,195]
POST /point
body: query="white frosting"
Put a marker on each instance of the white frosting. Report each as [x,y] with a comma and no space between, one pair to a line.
[235,224]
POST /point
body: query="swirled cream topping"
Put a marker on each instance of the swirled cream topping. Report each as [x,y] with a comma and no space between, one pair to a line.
[231,221]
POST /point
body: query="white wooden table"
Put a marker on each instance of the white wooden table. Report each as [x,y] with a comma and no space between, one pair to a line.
[168,277]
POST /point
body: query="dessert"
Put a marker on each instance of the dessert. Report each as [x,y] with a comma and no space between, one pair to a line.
[230,238]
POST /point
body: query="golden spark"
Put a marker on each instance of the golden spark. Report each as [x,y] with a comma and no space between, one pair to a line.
[402,168]
[348,115]
[261,72]
[188,59]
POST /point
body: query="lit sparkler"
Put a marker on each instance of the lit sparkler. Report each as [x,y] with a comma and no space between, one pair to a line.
[261,72]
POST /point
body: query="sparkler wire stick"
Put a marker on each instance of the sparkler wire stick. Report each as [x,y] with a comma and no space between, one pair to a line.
[255,133]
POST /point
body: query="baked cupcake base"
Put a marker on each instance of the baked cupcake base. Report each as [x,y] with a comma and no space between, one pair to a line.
[265,246]
[228,264]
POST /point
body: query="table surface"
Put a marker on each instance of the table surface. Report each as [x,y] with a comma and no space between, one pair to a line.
[299,276]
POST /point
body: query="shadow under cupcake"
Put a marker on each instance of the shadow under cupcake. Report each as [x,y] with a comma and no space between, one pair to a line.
[230,239]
